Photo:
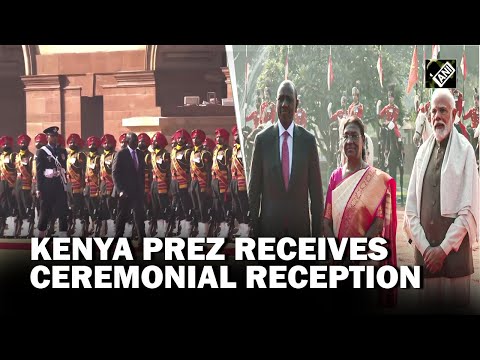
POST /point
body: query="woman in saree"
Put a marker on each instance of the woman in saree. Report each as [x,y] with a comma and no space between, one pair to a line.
[361,200]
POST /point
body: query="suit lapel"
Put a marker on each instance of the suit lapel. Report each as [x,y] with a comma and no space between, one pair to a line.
[295,155]
[276,153]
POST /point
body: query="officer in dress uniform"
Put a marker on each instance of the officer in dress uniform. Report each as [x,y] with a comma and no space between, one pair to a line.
[238,187]
[92,184]
[300,115]
[180,170]
[255,114]
[356,107]
[76,166]
[458,96]
[51,164]
[389,113]
[143,144]
[268,108]
[24,163]
[161,178]
[8,176]
[200,171]
[109,203]
[221,175]
[473,114]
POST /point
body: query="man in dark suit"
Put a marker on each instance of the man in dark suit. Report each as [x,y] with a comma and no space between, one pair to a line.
[285,170]
[129,179]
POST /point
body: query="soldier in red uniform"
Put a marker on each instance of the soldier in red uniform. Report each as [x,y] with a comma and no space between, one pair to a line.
[255,114]
[221,175]
[458,96]
[123,141]
[390,112]
[76,165]
[8,177]
[108,201]
[473,114]
[238,187]
[144,142]
[200,171]
[340,113]
[356,107]
[268,110]
[40,140]
[180,169]
[92,184]
[161,177]
[23,193]
[300,115]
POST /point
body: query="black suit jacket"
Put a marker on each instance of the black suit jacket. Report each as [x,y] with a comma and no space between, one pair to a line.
[126,178]
[43,161]
[275,211]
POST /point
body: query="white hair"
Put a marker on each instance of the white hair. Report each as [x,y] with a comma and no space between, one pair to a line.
[443,93]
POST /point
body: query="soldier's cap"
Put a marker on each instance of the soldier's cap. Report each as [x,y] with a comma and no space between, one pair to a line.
[222,133]
[160,139]
[94,140]
[41,137]
[52,130]
[182,133]
[23,137]
[355,91]
[209,144]
[77,140]
[109,139]
[6,140]
[234,130]
[145,138]
[122,137]
[199,133]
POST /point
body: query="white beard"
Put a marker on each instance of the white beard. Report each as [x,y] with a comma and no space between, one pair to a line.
[441,134]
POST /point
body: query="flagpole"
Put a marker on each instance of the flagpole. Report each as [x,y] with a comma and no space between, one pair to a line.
[464,58]
[416,83]
[245,91]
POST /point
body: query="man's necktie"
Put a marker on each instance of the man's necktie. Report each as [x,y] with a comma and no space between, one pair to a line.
[135,160]
[285,160]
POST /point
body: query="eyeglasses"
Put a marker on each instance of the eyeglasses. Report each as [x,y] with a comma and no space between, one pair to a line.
[354,137]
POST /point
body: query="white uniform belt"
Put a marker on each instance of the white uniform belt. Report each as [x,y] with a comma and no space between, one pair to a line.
[51,173]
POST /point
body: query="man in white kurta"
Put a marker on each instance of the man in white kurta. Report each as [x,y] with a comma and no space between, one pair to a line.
[442,211]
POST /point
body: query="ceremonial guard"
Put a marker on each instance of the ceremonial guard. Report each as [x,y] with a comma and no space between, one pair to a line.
[255,114]
[180,169]
[24,164]
[458,96]
[51,163]
[40,140]
[472,114]
[268,109]
[300,115]
[356,107]
[390,112]
[76,166]
[109,203]
[238,187]
[123,140]
[221,174]
[92,184]
[161,176]
[8,177]
[200,171]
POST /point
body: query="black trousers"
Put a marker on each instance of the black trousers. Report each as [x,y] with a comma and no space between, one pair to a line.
[7,200]
[181,200]
[159,205]
[125,205]
[24,202]
[239,202]
[93,203]
[53,204]
[199,200]
[221,203]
